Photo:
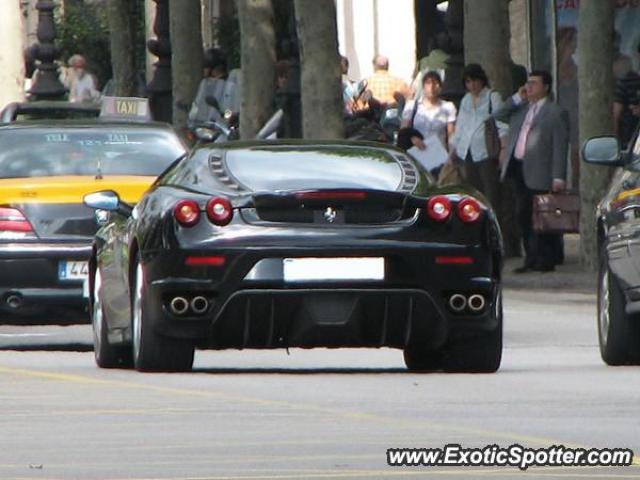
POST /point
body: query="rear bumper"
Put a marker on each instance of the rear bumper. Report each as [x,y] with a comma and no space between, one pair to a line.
[340,316]
[10,251]
[29,275]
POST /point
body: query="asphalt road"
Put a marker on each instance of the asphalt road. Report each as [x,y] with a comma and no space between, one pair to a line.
[319,414]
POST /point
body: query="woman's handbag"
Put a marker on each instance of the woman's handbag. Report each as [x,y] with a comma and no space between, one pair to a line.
[491,136]
[403,139]
[450,174]
[556,213]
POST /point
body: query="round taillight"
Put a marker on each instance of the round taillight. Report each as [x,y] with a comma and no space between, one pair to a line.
[187,213]
[439,208]
[469,210]
[219,211]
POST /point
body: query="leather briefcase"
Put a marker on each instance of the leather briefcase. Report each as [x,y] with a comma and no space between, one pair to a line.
[556,213]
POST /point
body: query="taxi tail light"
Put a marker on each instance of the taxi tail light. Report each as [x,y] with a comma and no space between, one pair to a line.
[469,210]
[13,220]
[219,211]
[439,208]
[187,213]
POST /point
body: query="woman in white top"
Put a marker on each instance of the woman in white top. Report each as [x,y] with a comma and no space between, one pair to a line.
[469,140]
[431,117]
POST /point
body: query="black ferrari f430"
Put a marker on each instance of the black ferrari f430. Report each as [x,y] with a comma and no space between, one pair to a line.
[296,244]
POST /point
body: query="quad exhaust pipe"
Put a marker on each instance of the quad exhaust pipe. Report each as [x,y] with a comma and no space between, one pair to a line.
[182,305]
[199,305]
[13,301]
[459,302]
[179,305]
[476,303]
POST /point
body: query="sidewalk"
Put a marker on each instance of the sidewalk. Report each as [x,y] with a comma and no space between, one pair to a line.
[569,277]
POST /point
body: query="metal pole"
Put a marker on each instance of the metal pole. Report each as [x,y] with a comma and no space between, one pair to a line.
[47,85]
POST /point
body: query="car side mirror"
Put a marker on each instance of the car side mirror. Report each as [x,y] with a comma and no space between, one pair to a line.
[603,150]
[107,200]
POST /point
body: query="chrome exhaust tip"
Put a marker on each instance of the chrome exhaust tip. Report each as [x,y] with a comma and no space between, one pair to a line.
[13,301]
[199,304]
[179,305]
[476,302]
[457,302]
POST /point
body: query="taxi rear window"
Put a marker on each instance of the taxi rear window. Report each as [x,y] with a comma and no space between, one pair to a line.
[36,153]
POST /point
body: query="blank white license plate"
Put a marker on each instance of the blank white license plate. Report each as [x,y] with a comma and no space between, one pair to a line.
[73,270]
[328,269]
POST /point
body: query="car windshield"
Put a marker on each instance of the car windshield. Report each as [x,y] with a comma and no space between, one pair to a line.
[291,168]
[84,151]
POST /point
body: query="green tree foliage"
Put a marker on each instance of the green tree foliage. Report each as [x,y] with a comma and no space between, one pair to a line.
[227,31]
[84,29]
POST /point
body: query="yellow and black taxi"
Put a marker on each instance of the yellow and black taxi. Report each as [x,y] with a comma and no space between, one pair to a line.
[618,227]
[45,170]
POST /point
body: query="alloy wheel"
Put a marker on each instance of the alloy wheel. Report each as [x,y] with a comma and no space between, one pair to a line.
[97,316]
[604,317]
[137,313]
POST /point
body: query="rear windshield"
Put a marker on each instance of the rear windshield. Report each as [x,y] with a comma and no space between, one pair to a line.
[40,152]
[291,168]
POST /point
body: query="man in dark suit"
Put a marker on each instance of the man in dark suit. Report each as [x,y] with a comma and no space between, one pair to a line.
[536,160]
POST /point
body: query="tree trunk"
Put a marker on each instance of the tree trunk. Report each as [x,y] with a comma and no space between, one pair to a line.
[258,52]
[186,57]
[595,77]
[122,37]
[320,81]
[486,46]
[11,53]
[489,47]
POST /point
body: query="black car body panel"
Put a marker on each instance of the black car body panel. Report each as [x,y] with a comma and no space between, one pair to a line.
[249,296]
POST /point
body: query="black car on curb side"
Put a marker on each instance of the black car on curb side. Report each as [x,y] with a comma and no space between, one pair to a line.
[255,245]
[618,233]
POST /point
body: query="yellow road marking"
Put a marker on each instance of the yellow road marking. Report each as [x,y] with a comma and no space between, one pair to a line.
[366,417]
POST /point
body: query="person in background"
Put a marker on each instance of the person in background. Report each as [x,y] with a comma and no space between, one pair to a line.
[81,84]
[536,160]
[349,87]
[430,116]
[212,85]
[469,141]
[383,86]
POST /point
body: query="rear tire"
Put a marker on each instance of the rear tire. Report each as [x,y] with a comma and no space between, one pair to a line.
[106,355]
[420,361]
[618,333]
[153,352]
[479,354]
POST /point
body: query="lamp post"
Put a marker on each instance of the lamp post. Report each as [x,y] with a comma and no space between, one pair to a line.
[47,85]
[160,86]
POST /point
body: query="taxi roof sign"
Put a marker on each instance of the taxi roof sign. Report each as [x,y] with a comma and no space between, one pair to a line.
[125,108]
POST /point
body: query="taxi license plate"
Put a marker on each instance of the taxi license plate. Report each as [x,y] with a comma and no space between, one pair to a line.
[331,269]
[73,270]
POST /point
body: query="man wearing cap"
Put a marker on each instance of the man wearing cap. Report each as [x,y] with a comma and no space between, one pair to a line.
[82,87]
